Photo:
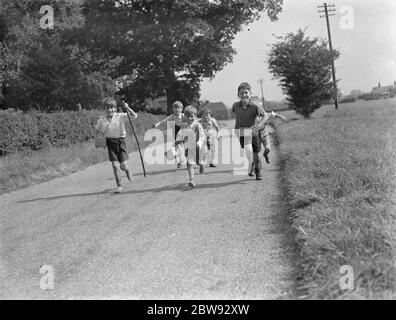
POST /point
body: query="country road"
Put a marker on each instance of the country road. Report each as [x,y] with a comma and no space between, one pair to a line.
[226,239]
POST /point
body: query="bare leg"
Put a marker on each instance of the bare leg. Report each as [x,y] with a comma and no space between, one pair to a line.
[116,173]
[124,167]
[267,148]
[190,168]
[257,165]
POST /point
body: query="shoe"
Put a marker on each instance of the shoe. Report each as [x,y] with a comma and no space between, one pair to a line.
[201,168]
[258,174]
[212,165]
[191,184]
[179,165]
[265,154]
[119,189]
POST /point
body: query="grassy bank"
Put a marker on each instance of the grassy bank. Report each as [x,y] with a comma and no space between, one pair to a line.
[339,181]
[29,167]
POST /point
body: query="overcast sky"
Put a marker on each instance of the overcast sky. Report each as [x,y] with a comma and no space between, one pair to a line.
[368,51]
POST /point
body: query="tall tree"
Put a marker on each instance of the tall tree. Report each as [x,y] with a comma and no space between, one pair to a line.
[303,67]
[37,67]
[167,44]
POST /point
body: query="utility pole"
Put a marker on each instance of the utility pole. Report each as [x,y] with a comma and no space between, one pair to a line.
[330,8]
[261,81]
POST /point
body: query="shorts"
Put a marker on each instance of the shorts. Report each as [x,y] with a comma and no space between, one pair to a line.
[256,142]
[197,155]
[117,149]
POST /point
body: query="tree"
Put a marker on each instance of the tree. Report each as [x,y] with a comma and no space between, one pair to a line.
[166,45]
[303,67]
[38,69]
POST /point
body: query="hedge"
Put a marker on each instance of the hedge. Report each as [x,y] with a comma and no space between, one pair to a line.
[34,131]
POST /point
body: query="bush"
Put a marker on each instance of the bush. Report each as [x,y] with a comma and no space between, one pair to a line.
[36,131]
[347,99]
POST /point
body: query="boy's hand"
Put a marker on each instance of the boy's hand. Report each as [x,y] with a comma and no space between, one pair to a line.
[199,144]
[283,118]
[127,109]
[256,128]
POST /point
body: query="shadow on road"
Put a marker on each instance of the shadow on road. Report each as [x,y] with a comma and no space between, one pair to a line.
[175,187]
[67,196]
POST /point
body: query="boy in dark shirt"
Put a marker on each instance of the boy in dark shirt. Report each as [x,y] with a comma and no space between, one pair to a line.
[246,112]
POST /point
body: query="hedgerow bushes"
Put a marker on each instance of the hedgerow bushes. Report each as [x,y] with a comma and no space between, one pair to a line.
[35,131]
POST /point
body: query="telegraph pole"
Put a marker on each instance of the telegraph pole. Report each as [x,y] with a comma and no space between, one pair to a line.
[330,8]
[261,81]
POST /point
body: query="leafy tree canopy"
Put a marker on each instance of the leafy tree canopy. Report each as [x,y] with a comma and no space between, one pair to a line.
[162,42]
[303,67]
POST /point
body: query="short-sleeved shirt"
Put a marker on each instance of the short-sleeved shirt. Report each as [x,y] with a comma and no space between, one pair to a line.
[245,118]
[115,128]
[196,127]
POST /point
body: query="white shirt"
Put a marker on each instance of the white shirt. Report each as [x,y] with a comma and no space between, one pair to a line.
[196,127]
[115,128]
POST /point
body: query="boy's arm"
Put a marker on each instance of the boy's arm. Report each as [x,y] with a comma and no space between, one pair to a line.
[279,116]
[162,121]
[262,122]
[98,126]
[126,109]
[215,124]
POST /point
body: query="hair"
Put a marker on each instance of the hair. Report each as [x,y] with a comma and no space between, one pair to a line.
[190,110]
[110,102]
[177,104]
[245,85]
[205,111]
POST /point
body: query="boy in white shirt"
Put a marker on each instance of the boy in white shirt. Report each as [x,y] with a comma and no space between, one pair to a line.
[211,129]
[112,125]
[191,129]
[177,118]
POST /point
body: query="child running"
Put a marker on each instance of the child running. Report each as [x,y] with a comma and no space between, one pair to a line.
[112,125]
[177,118]
[192,137]
[264,137]
[211,129]
[246,112]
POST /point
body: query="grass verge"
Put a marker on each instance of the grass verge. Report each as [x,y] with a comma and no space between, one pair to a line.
[29,167]
[338,175]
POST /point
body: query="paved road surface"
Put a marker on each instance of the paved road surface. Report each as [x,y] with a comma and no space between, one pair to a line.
[226,239]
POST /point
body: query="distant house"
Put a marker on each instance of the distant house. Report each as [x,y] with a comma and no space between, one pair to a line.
[384,92]
[219,110]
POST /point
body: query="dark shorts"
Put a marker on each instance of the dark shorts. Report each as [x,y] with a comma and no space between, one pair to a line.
[256,143]
[117,149]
